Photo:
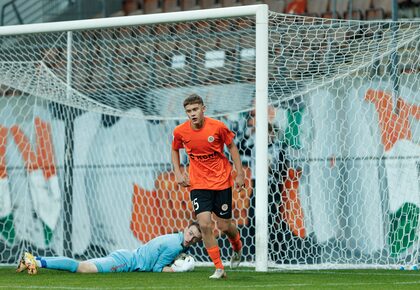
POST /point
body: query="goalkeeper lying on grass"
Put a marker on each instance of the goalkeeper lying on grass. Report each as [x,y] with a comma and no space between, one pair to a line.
[154,256]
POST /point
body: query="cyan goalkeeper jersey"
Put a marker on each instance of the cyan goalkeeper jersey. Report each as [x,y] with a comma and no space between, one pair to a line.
[150,257]
[158,253]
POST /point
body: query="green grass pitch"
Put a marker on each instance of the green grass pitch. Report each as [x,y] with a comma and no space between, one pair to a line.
[244,278]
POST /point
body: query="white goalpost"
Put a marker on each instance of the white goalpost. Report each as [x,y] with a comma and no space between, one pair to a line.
[326,115]
[260,12]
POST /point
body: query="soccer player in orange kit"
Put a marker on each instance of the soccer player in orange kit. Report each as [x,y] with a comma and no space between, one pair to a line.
[209,177]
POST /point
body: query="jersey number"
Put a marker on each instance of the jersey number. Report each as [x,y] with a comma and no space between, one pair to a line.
[196,204]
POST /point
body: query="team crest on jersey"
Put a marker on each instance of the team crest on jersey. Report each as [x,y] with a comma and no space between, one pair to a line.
[210,139]
[225,207]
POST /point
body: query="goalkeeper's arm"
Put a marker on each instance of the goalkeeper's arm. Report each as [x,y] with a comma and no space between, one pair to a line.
[187,266]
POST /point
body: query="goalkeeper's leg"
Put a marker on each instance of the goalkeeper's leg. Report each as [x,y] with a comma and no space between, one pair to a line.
[58,263]
[103,265]
[117,261]
[31,263]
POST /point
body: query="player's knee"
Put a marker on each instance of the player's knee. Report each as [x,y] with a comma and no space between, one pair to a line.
[223,226]
[206,228]
[87,267]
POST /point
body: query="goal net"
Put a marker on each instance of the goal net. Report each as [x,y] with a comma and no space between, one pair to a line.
[87,110]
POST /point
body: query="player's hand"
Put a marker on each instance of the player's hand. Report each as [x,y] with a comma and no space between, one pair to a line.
[240,181]
[182,180]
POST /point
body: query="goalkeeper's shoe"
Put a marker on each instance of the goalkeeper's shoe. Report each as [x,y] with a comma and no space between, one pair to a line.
[235,260]
[27,262]
[218,274]
[21,266]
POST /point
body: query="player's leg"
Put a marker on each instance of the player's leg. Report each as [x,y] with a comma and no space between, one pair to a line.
[229,228]
[223,212]
[87,267]
[58,263]
[207,232]
[118,261]
[31,263]
[203,203]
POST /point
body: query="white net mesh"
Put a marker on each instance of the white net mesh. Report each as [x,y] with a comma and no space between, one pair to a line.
[345,170]
[85,166]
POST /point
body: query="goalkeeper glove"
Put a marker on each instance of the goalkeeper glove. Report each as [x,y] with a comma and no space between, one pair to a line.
[186,266]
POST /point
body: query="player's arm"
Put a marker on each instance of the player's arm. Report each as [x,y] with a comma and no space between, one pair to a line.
[163,263]
[240,177]
[180,178]
[186,267]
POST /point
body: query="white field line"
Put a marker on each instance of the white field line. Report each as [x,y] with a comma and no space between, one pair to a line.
[276,285]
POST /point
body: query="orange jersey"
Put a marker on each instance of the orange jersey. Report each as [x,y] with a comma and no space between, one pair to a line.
[209,167]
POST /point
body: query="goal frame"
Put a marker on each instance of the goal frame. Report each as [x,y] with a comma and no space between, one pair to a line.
[261,86]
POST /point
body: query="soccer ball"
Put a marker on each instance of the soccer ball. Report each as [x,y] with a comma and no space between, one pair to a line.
[182,259]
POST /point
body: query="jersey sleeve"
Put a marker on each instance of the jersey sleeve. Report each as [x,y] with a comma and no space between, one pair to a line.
[177,140]
[154,251]
[165,259]
[225,134]
[170,247]
[158,267]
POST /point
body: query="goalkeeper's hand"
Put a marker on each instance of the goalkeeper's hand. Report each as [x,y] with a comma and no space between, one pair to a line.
[187,266]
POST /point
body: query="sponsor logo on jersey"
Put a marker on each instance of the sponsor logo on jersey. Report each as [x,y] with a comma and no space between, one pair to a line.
[203,157]
[210,139]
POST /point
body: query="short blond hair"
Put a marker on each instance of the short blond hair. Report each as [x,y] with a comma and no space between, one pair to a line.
[193,99]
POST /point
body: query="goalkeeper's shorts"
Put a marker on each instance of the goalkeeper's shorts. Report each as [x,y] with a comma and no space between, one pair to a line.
[118,261]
